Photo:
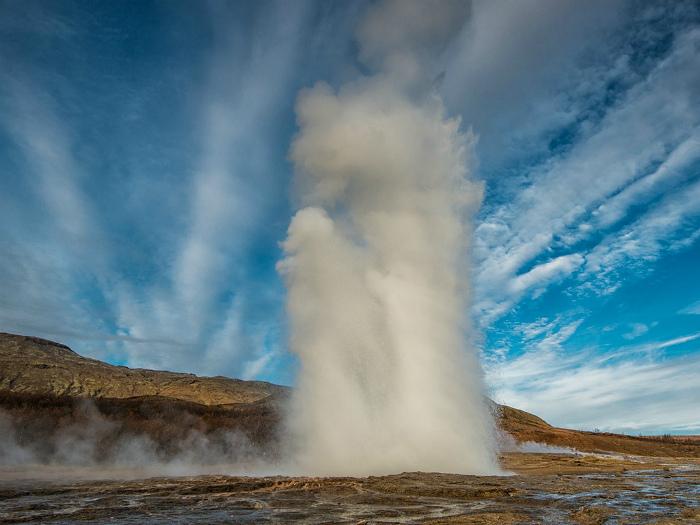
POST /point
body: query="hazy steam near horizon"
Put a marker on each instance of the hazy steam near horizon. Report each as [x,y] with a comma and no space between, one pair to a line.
[86,441]
[375,264]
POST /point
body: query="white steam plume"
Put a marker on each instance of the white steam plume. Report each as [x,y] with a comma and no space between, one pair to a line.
[375,264]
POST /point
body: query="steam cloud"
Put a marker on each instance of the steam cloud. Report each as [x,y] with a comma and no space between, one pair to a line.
[83,437]
[375,263]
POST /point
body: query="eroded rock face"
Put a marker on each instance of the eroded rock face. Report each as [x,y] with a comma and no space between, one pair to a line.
[33,365]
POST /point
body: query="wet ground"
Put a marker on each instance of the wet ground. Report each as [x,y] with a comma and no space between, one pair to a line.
[547,489]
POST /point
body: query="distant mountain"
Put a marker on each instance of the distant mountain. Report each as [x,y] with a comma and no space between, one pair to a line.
[38,366]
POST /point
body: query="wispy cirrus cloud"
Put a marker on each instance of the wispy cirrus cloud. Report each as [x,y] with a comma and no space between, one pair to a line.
[623,189]
[670,225]
[614,194]
[691,309]
[632,389]
[636,329]
[210,294]
[47,204]
[47,146]
[162,265]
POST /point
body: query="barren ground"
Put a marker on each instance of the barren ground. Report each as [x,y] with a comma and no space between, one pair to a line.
[544,489]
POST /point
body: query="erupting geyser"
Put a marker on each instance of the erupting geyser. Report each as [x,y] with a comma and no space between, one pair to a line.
[376,265]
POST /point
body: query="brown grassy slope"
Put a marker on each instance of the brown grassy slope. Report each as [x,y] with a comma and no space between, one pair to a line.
[527,427]
[33,365]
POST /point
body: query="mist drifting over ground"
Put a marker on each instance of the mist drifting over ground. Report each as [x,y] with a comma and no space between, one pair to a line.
[377,287]
[131,438]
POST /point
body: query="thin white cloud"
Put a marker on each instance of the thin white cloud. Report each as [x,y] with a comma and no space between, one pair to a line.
[543,344]
[46,143]
[691,309]
[673,170]
[646,239]
[531,330]
[52,240]
[678,341]
[512,288]
[636,329]
[545,273]
[635,389]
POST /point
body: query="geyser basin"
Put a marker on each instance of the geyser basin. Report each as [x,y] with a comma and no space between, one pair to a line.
[654,496]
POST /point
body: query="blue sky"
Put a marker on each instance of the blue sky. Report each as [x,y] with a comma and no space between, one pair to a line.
[145,188]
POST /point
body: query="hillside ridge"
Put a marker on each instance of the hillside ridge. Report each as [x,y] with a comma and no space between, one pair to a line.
[31,367]
[34,365]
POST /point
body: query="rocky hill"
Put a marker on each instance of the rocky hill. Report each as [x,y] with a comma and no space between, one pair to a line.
[40,382]
[37,366]
[526,427]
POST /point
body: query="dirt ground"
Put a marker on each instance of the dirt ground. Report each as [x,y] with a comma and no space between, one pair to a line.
[541,489]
